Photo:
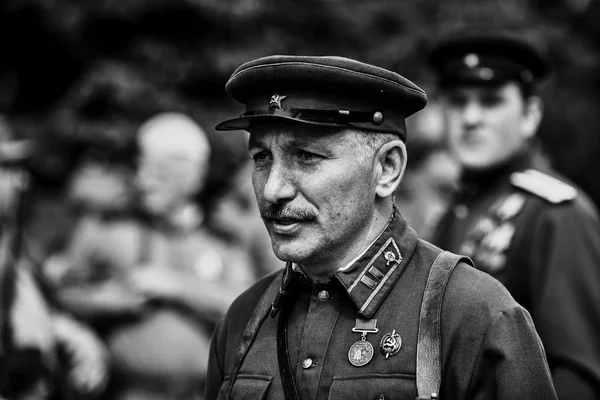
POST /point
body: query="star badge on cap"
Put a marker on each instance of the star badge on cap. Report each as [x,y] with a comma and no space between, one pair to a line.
[276,101]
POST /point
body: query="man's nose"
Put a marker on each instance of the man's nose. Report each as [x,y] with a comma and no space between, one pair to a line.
[472,114]
[279,185]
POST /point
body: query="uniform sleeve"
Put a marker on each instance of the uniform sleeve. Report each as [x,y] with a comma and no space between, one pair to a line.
[565,287]
[215,375]
[510,363]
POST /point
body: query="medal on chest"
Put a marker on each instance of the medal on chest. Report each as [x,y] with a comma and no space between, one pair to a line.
[390,344]
[488,242]
[361,352]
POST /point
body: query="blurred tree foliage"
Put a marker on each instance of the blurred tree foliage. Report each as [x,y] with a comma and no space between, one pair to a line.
[80,76]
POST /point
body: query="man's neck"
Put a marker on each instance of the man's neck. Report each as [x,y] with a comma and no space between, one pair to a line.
[321,272]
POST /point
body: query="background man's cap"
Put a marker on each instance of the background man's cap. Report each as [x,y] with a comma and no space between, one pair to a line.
[493,56]
[325,91]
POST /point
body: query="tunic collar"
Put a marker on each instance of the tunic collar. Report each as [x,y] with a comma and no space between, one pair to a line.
[371,277]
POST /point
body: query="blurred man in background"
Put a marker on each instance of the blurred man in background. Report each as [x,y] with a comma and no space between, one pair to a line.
[432,174]
[518,219]
[44,353]
[155,285]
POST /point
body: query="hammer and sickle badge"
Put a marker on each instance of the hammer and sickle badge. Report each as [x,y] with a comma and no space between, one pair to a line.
[275,101]
[390,344]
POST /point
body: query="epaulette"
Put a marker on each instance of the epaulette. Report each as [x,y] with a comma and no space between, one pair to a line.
[544,186]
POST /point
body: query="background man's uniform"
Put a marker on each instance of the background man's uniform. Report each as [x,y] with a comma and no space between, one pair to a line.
[486,335]
[539,235]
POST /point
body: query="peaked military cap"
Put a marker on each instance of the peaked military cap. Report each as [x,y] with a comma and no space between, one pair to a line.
[492,56]
[326,91]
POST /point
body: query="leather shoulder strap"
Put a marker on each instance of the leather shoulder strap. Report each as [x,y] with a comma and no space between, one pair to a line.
[262,309]
[429,371]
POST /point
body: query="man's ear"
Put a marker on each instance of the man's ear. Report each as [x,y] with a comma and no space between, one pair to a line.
[534,111]
[392,164]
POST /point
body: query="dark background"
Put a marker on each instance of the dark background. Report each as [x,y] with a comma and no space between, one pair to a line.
[80,76]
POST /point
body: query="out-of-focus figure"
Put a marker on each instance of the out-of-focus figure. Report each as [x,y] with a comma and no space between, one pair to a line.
[431,174]
[44,353]
[235,215]
[519,220]
[154,285]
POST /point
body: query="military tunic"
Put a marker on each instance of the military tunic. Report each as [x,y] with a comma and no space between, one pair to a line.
[489,347]
[541,239]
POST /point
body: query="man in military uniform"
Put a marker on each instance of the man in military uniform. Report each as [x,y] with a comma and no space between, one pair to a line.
[519,220]
[356,311]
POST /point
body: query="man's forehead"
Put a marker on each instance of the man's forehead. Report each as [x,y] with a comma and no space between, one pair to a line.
[484,88]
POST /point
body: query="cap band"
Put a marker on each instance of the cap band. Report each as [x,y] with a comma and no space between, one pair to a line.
[336,117]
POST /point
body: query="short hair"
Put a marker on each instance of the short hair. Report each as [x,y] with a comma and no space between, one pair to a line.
[372,141]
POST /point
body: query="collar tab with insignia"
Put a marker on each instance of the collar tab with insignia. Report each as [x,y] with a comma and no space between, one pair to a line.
[373,274]
[545,186]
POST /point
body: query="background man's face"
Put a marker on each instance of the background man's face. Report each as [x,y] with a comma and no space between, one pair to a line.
[166,180]
[315,193]
[485,123]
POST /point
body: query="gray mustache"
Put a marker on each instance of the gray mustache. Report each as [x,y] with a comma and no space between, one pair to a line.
[282,212]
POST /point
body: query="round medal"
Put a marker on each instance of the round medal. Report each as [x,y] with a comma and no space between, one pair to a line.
[360,353]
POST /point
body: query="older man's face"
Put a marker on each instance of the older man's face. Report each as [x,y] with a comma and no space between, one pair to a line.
[315,192]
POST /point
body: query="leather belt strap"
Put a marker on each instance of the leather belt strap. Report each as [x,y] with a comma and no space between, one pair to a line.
[429,371]
[259,314]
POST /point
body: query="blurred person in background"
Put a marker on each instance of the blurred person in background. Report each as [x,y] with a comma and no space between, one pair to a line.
[154,285]
[44,352]
[235,215]
[431,176]
[519,220]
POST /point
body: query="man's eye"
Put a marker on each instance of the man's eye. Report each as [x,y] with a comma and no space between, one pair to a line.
[491,100]
[260,156]
[308,156]
[456,100]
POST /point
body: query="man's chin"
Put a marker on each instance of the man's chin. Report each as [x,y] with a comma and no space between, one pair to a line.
[475,162]
[290,252]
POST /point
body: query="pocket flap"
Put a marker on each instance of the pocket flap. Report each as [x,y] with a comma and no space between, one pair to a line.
[374,386]
[248,386]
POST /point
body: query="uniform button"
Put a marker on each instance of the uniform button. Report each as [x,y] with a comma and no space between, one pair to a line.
[323,295]
[306,364]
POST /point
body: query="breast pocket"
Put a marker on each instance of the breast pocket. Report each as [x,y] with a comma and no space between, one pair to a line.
[246,387]
[374,387]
